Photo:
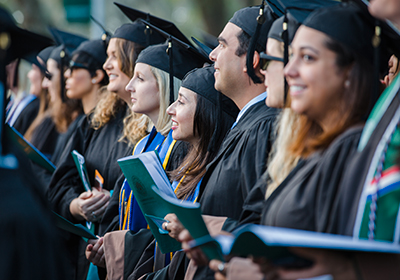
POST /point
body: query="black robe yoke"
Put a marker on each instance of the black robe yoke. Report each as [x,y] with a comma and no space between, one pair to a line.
[101,150]
[241,161]
[96,146]
[305,199]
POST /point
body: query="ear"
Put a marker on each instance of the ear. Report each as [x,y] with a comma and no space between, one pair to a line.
[256,61]
[99,75]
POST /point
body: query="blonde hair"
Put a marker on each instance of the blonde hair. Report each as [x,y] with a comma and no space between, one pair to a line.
[164,124]
[281,160]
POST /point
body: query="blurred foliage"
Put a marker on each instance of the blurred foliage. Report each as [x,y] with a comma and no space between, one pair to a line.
[194,17]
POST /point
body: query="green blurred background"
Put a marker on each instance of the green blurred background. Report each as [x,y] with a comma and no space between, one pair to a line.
[193,17]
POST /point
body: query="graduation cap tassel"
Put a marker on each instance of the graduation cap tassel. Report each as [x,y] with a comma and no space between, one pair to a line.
[376,40]
[252,46]
[171,72]
[285,37]
[147,31]
[62,82]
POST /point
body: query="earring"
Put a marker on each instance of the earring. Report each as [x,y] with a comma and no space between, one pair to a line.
[94,81]
[347,84]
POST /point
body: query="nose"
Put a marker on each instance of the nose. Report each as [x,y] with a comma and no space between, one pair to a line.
[45,83]
[67,74]
[171,109]
[213,54]
[107,64]
[129,87]
[290,69]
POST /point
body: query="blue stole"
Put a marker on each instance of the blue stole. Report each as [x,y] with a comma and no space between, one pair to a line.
[130,215]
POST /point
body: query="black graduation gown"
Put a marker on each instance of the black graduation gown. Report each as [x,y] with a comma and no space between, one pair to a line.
[45,137]
[305,198]
[62,142]
[346,206]
[27,116]
[101,150]
[241,161]
[29,244]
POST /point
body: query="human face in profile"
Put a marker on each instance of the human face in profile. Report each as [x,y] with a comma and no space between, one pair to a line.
[182,116]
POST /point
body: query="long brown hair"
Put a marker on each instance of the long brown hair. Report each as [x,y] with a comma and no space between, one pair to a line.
[194,165]
[355,103]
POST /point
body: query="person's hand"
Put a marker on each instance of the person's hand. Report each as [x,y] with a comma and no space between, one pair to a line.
[195,254]
[90,205]
[325,262]
[95,252]
[174,226]
[238,268]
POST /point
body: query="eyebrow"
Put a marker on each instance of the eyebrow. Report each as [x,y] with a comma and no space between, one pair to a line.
[183,96]
[220,39]
[309,48]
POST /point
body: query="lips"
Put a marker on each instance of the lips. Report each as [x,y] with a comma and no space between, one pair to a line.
[112,76]
[174,125]
[296,89]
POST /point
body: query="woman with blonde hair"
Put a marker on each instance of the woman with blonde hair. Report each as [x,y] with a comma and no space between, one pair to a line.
[109,132]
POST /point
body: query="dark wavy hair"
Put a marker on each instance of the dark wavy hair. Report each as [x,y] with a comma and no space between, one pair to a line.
[195,162]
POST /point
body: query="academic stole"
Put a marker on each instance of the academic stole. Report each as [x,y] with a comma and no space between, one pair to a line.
[379,205]
[130,215]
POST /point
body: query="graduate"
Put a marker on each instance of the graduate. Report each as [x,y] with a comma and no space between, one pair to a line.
[64,111]
[36,76]
[150,94]
[23,202]
[309,192]
[201,116]
[104,135]
[232,175]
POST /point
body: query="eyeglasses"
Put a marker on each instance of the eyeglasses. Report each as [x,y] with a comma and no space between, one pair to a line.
[265,60]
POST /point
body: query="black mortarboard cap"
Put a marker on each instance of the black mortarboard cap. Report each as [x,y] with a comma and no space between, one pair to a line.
[246,19]
[296,12]
[206,50]
[188,56]
[163,24]
[95,48]
[356,30]
[201,81]
[256,22]
[138,33]
[15,43]
[373,39]
[69,40]
[183,60]
[67,43]
[177,65]
[106,36]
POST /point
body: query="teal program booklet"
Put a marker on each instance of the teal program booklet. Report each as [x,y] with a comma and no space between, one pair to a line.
[143,172]
[81,166]
[273,243]
[32,152]
[77,229]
